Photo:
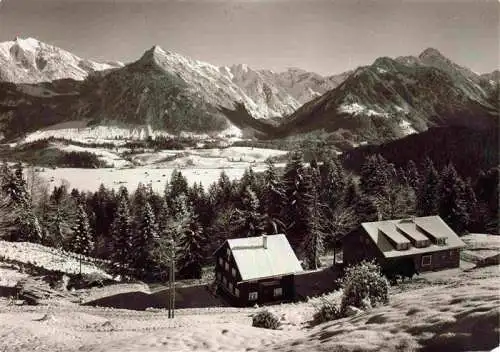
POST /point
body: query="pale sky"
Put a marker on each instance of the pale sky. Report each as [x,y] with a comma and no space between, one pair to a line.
[325,36]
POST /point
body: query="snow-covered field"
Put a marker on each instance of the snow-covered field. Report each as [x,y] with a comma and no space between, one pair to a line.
[47,258]
[198,165]
[457,310]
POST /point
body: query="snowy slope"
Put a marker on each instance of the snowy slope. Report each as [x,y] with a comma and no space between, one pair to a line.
[31,61]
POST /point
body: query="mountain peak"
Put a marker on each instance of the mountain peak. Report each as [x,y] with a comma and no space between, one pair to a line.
[27,44]
[430,53]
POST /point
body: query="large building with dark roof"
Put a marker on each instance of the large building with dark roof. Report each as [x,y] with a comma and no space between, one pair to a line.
[257,270]
[421,243]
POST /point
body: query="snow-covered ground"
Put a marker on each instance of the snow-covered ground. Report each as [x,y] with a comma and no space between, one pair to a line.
[78,131]
[456,310]
[103,154]
[358,109]
[47,258]
[198,165]
[407,127]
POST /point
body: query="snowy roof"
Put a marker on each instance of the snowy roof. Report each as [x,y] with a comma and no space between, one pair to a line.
[420,230]
[255,261]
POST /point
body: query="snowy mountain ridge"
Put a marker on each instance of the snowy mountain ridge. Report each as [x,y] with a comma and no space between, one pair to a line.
[32,61]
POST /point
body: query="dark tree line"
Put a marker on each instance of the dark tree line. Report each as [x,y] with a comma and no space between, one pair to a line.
[315,204]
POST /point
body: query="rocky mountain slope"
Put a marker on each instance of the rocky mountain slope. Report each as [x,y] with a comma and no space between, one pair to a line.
[163,90]
[395,97]
[283,92]
[31,61]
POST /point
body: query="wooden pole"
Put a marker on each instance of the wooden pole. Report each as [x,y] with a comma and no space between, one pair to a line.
[169,291]
[173,288]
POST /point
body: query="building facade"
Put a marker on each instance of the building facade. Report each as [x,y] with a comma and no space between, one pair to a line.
[256,270]
[419,244]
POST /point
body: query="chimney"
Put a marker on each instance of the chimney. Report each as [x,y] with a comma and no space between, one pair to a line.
[264,241]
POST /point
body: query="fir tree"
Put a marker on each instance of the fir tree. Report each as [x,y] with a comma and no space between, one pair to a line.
[366,209]
[313,242]
[351,194]
[397,201]
[413,175]
[178,185]
[427,193]
[224,191]
[143,239]
[103,204]
[298,189]
[376,175]
[452,206]
[332,182]
[82,238]
[273,200]
[190,253]
[122,253]
[25,226]
[249,220]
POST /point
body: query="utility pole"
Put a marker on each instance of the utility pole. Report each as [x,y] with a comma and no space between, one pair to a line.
[171,279]
[172,286]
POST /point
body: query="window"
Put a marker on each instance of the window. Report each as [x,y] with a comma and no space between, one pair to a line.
[236,292]
[278,292]
[224,281]
[218,275]
[252,296]
[221,262]
[230,287]
[426,260]
[226,266]
[233,272]
[228,252]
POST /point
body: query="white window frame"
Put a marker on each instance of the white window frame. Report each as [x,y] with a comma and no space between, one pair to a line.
[425,262]
[278,292]
[253,296]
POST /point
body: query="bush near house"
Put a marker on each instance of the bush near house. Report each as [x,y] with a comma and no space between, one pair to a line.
[325,312]
[364,286]
[265,319]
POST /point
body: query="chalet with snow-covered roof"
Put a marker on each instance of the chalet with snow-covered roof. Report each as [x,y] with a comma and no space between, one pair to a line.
[256,270]
[419,244]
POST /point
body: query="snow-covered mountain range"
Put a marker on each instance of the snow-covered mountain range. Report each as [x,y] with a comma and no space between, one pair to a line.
[31,61]
[395,97]
[41,85]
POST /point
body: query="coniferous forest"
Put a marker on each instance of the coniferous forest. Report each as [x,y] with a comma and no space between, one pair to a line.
[313,203]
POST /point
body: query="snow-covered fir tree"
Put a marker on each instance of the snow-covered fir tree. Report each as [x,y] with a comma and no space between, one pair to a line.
[82,237]
[122,253]
[144,236]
